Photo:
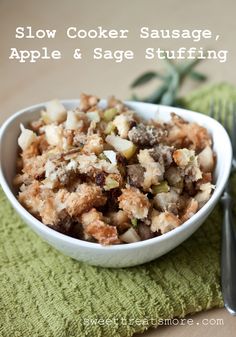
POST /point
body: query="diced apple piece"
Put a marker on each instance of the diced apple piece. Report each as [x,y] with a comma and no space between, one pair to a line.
[164,222]
[53,134]
[206,159]
[130,236]
[204,194]
[71,121]
[26,137]
[93,116]
[56,111]
[111,155]
[45,117]
[124,146]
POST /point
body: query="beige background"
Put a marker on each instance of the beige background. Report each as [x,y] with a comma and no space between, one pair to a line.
[25,84]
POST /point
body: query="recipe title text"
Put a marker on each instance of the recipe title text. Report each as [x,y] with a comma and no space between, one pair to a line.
[197,51]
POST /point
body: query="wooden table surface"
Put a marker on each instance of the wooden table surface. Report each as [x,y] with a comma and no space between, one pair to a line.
[24,84]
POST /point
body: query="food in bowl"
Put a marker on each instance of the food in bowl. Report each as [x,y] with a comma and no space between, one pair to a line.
[107,176]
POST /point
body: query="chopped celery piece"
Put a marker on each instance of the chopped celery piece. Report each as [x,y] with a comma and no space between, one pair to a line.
[110,128]
[110,183]
[109,114]
[134,222]
[163,187]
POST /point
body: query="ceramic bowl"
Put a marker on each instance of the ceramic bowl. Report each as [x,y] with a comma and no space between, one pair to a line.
[123,255]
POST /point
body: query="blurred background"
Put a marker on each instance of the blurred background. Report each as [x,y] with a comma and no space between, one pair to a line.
[23,84]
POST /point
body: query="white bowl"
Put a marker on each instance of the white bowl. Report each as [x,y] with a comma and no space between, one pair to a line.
[118,255]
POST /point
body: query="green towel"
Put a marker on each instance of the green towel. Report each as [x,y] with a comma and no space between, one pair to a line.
[46,294]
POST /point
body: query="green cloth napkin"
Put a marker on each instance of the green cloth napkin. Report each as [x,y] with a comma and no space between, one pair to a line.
[46,294]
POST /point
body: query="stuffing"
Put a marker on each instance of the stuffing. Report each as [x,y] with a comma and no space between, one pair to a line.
[144,231]
[122,123]
[91,165]
[103,233]
[130,236]
[192,135]
[79,139]
[37,147]
[146,135]
[153,170]
[183,157]
[190,210]
[55,112]
[87,102]
[35,167]
[187,161]
[76,121]
[30,197]
[167,201]
[111,156]
[204,194]
[119,219]
[135,175]
[113,181]
[164,222]
[85,197]
[42,144]
[105,175]
[206,178]
[48,208]
[94,144]
[206,159]
[36,125]
[123,146]
[87,163]
[22,180]
[163,153]
[116,103]
[189,187]
[72,122]
[134,203]
[59,173]
[41,203]
[26,138]
[53,134]
[174,175]
[89,217]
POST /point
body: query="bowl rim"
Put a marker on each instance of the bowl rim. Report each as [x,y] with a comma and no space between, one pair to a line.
[85,244]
